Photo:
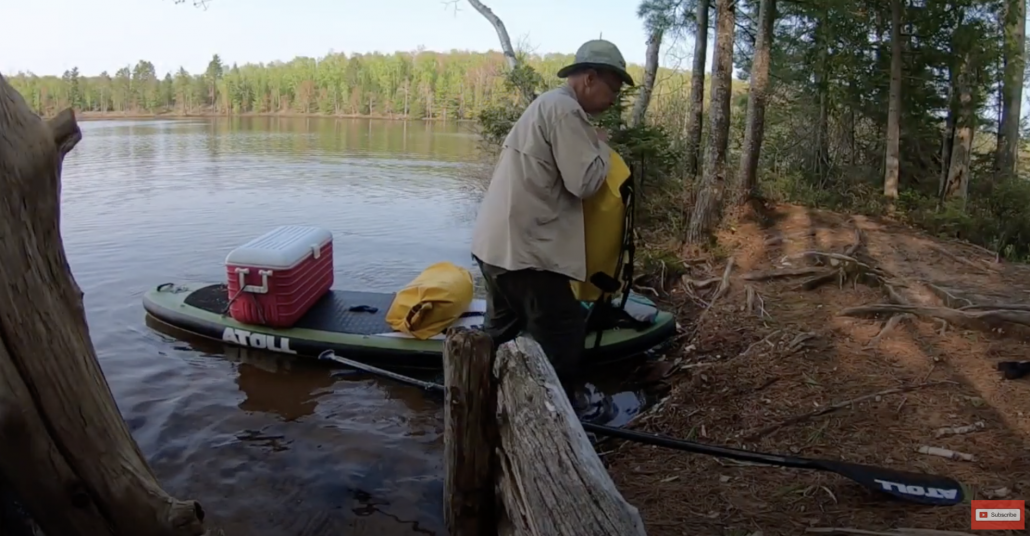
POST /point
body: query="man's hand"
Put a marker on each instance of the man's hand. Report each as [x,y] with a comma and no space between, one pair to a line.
[602,134]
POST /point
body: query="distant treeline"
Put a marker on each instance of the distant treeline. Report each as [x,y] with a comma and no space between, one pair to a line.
[416,85]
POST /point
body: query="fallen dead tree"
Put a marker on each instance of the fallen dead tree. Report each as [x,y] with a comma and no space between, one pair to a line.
[65,450]
[512,440]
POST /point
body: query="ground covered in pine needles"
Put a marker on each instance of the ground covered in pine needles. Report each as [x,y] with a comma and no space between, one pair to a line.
[827,336]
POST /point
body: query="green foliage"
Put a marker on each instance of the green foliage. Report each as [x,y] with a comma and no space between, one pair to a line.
[995,216]
[524,83]
[495,123]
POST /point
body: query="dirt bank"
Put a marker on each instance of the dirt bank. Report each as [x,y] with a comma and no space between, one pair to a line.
[775,348]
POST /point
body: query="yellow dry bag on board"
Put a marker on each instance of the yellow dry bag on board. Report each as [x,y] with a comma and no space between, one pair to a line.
[604,215]
[432,301]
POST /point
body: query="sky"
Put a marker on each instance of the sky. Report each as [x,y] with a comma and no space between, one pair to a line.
[51,36]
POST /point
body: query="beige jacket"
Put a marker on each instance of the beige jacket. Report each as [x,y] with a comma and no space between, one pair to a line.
[532,214]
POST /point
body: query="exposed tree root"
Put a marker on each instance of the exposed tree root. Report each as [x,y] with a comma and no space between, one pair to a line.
[996,307]
[958,310]
[894,297]
[778,274]
[961,260]
[699,284]
[838,257]
[721,290]
[821,279]
[983,320]
[766,340]
[724,283]
[891,323]
[755,304]
[947,296]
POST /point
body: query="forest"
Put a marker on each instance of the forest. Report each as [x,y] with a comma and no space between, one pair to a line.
[892,106]
[904,108]
[416,85]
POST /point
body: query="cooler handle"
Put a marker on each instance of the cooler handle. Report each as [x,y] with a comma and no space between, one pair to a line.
[241,274]
[316,251]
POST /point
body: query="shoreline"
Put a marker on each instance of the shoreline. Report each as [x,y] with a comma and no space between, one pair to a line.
[94,116]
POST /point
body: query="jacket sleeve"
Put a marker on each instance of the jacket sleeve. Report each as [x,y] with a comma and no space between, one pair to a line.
[583,160]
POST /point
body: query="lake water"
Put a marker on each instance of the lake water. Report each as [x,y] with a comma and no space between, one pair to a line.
[270,445]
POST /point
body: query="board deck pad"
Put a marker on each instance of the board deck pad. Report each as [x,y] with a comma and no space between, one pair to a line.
[339,311]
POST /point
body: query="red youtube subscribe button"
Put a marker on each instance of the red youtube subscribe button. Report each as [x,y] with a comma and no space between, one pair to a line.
[998,515]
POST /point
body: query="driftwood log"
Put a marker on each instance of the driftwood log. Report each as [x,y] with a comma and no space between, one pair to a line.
[65,450]
[517,459]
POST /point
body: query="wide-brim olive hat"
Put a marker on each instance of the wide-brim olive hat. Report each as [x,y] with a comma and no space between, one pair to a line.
[599,54]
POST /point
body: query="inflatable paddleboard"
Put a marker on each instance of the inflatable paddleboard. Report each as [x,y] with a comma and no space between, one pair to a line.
[353,325]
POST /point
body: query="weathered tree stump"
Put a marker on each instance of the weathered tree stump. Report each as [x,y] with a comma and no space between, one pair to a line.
[551,482]
[65,450]
[470,433]
[517,459]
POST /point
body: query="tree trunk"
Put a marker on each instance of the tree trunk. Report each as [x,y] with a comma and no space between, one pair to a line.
[892,162]
[695,117]
[747,177]
[506,48]
[709,199]
[654,45]
[821,155]
[64,448]
[1007,153]
[948,137]
[957,185]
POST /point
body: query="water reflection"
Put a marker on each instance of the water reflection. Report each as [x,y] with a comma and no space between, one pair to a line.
[316,455]
[278,385]
[305,136]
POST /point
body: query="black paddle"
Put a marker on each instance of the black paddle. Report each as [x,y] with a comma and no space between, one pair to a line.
[918,488]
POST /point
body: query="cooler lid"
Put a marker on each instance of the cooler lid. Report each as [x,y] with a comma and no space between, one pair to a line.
[281,248]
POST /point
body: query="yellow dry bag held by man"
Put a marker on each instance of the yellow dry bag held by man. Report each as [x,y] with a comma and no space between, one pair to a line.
[432,301]
[604,218]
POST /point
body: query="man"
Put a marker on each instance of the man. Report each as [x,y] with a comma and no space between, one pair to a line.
[529,235]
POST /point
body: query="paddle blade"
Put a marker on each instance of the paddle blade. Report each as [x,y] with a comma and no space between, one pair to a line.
[918,488]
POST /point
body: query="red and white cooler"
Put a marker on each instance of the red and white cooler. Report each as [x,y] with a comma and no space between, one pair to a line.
[275,278]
